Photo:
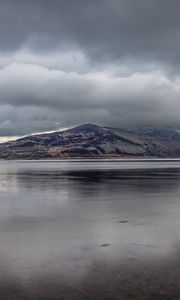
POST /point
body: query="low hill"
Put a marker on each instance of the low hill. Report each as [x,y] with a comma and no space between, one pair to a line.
[93,141]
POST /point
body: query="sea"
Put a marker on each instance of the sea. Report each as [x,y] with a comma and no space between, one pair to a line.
[90,230]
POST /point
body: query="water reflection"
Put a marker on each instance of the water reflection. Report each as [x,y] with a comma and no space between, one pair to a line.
[111,223]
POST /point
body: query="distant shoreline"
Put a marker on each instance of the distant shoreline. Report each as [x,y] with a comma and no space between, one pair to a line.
[95,159]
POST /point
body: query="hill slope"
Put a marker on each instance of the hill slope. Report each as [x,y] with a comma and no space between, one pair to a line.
[92,141]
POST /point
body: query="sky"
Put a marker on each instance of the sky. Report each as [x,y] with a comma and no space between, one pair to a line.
[69,62]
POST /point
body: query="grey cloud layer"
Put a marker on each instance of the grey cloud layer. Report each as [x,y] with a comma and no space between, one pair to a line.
[103,29]
[64,62]
[36,99]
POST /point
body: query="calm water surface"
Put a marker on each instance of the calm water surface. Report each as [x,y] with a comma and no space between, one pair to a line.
[89,230]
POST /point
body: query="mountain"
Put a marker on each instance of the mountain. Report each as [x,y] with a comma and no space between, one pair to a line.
[93,141]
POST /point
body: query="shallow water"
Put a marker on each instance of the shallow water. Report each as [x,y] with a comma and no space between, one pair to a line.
[89,230]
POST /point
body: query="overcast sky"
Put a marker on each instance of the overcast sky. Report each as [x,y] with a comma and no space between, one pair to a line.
[109,62]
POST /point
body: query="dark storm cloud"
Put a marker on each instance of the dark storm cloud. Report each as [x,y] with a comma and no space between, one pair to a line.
[64,62]
[103,29]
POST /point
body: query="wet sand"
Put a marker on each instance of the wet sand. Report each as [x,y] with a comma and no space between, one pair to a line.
[89,231]
[135,280]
